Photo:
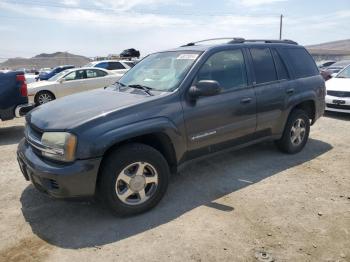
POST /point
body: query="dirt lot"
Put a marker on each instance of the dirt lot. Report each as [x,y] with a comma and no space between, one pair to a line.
[226,208]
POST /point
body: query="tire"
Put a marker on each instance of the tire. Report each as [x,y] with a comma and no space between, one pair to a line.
[289,143]
[140,164]
[43,97]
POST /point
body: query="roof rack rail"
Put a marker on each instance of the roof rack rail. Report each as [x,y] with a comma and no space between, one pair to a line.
[239,40]
[283,41]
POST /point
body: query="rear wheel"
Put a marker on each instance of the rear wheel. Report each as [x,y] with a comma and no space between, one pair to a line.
[296,132]
[43,97]
[133,179]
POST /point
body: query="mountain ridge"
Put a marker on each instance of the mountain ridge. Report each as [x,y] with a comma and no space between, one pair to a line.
[45,60]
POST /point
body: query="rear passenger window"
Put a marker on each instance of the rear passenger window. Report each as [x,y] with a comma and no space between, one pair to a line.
[263,64]
[282,72]
[225,67]
[302,62]
[103,65]
[115,66]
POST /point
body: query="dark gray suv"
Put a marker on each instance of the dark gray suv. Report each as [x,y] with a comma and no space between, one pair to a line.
[122,143]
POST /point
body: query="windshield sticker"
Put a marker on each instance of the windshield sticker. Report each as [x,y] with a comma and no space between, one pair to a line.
[187,56]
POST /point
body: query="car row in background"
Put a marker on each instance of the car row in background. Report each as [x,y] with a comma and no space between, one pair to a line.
[69,82]
[324,64]
[118,66]
[330,69]
[44,75]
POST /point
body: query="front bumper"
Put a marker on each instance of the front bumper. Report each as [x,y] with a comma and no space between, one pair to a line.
[22,110]
[77,179]
[338,104]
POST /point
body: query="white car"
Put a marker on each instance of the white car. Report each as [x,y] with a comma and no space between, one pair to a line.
[338,92]
[69,82]
[117,66]
[30,78]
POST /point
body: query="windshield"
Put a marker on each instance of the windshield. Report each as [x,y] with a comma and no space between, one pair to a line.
[345,73]
[161,71]
[59,75]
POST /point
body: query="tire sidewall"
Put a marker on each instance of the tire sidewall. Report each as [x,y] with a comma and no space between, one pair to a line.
[286,140]
[116,163]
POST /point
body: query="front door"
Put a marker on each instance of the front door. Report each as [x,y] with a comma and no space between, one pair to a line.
[229,116]
[74,82]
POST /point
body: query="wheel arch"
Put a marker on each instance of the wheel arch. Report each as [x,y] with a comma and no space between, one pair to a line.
[309,106]
[158,140]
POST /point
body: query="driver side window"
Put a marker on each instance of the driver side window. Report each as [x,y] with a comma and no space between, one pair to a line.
[76,75]
[225,67]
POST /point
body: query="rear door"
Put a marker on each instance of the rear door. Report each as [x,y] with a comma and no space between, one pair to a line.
[96,79]
[269,90]
[228,116]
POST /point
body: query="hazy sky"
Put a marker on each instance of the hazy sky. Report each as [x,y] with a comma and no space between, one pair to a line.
[101,27]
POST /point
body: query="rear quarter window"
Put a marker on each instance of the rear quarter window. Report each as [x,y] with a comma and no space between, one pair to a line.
[302,62]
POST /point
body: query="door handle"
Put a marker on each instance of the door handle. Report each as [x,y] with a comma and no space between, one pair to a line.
[246,100]
[290,91]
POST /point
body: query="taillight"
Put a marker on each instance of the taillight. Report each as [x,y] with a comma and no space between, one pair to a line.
[21,79]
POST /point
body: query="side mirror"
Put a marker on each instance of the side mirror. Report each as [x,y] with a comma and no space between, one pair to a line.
[62,80]
[205,88]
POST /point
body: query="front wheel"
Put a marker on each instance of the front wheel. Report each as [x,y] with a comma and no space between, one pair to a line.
[43,97]
[133,179]
[296,132]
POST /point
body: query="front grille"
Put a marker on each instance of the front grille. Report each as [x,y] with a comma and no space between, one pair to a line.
[339,93]
[54,184]
[345,107]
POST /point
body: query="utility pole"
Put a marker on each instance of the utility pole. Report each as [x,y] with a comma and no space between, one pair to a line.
[281,24]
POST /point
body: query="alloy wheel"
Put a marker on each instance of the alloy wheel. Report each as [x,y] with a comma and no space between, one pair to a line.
[44,98]
[298,131]
[136,183]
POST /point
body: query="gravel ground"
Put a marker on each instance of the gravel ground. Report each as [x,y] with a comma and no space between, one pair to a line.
[234,206]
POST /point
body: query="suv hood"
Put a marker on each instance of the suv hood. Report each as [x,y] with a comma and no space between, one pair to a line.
[338,84]
[72,111]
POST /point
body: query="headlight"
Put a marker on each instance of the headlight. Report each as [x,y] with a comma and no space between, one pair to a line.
[59,146]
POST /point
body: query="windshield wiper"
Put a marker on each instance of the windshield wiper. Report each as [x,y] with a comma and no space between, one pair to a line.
[142,87]
[115,84]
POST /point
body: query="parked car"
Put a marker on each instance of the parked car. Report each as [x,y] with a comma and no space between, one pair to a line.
[30,78]
[46,76]
[45,69]
[338,92]
[325,64]
[337,67]
[117,66]
[69,82]
[121,143]
[13,95]
[130,53]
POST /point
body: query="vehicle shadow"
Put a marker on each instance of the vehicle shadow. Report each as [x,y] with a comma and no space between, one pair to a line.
[11,135]
[75,225]
[337,115]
